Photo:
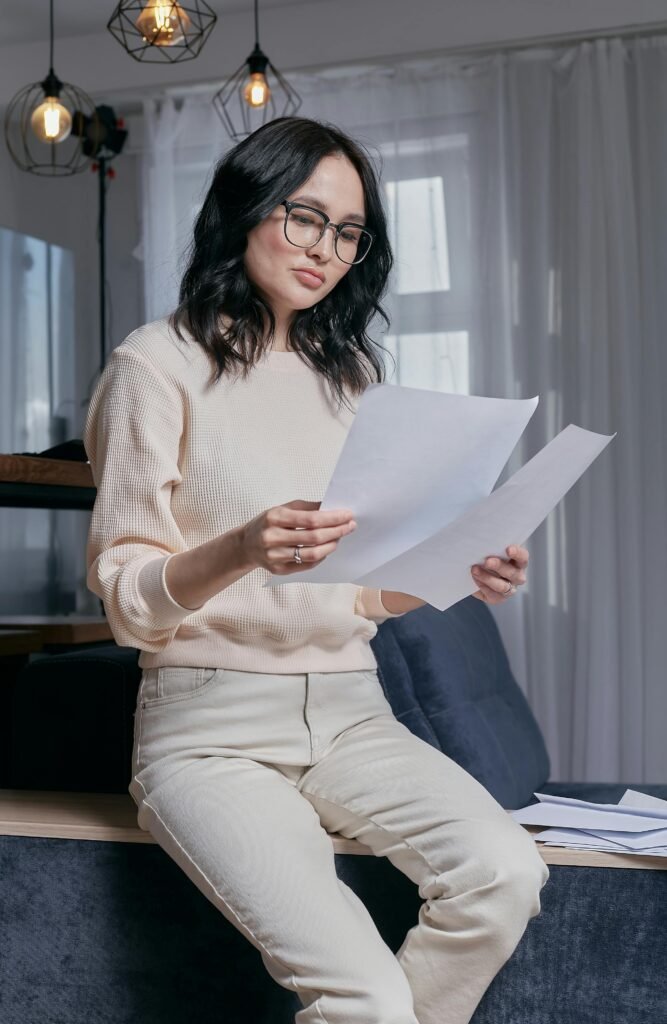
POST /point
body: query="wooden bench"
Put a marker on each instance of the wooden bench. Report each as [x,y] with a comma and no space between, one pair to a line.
[112,817]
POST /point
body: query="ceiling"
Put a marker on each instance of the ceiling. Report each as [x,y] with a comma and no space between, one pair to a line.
[28,20]
[336,32]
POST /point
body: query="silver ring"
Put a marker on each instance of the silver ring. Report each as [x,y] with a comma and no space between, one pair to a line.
[297,556]
[511,588]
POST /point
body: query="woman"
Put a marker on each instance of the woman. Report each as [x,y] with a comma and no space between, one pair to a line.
[261,724]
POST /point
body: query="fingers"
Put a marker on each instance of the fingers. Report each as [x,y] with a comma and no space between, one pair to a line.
[495,574]
[512,569]
[314,545]
[309,538]
[495,568]
[491,585]
[307,555]
[518,555]
[296,515]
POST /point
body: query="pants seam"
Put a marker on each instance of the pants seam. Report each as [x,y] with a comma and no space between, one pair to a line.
[139,711]
[382,828]
[319,1012]
[231,909]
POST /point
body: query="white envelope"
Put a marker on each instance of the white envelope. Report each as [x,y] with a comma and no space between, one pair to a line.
[636,825]
[577,840]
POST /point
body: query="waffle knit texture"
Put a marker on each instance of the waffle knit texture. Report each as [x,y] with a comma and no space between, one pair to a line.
[178,461]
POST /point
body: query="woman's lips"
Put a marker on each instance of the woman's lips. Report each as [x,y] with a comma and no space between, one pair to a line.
[311,280]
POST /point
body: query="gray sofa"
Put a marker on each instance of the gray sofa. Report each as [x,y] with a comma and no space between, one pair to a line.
[115,933]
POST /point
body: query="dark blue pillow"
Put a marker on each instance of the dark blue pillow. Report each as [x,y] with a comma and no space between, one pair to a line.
[448,679]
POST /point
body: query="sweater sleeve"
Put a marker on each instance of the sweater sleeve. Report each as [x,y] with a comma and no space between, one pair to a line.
[131,437]
[368,603]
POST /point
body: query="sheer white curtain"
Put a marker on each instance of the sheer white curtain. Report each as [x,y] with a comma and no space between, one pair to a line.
[527,196]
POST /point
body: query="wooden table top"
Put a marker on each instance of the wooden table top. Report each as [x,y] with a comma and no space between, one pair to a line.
[61,629]
[19,641]
[30,469]
[28,481]
[112,817]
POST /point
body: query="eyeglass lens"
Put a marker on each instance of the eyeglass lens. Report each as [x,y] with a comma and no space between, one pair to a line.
[304,228]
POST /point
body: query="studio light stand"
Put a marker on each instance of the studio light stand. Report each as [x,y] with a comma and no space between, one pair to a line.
[103,139]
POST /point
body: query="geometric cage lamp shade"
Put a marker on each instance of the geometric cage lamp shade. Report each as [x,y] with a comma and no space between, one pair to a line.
[39,122]
[241,117]
[255,92]
[153,32]
[45,150]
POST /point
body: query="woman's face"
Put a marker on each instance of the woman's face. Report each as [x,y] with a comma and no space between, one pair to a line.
[271,262]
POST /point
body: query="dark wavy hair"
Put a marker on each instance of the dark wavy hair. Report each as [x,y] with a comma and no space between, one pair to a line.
[248,183]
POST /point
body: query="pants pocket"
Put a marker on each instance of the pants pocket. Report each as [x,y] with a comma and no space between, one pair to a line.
[171,683]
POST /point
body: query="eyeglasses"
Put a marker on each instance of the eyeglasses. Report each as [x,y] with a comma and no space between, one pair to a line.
[304,226]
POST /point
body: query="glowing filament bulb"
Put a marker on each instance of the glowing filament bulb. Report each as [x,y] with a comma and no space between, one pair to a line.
[51,121]
[256,92]
[163,24]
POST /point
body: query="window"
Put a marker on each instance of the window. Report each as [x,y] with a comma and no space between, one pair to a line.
[42,550]
[427,204]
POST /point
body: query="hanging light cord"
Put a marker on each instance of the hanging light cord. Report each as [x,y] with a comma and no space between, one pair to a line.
[256,23]
[51,42]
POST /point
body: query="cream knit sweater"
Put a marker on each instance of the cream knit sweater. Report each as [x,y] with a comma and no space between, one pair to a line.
[177,462]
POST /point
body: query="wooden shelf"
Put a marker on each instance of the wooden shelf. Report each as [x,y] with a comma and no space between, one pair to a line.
[30,469]
[28,481]
[61,629]
[19,641]
[112,817]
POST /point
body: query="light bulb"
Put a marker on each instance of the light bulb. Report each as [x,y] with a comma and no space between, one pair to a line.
[51,121]
[256,92]
[163,24]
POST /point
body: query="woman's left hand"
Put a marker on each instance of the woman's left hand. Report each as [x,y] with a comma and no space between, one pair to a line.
[493,574]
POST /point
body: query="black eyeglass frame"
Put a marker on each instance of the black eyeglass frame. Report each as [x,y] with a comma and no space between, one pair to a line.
[290,204]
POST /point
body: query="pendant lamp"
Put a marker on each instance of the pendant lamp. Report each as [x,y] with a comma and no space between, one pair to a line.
[38,124]
[252,93]
[154,32]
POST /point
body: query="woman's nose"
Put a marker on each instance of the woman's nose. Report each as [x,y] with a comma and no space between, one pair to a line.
[327,241]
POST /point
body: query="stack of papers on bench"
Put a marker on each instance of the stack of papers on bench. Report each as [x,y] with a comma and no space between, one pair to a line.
[635,825]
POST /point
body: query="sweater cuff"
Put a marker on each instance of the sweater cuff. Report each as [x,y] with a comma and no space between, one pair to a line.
[370,602]
[153,591]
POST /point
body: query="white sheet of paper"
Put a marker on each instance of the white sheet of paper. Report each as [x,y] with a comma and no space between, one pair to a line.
[574,837]
[645,801]
[637,824]
[581,817]
[416,469]
[633,840]
[576,840]
[634,807]
[579,814]
[632,802]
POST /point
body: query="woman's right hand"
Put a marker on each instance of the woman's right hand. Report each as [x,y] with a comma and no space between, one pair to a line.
[268,541]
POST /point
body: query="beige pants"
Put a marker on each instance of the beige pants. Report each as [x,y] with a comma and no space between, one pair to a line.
[239,776]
